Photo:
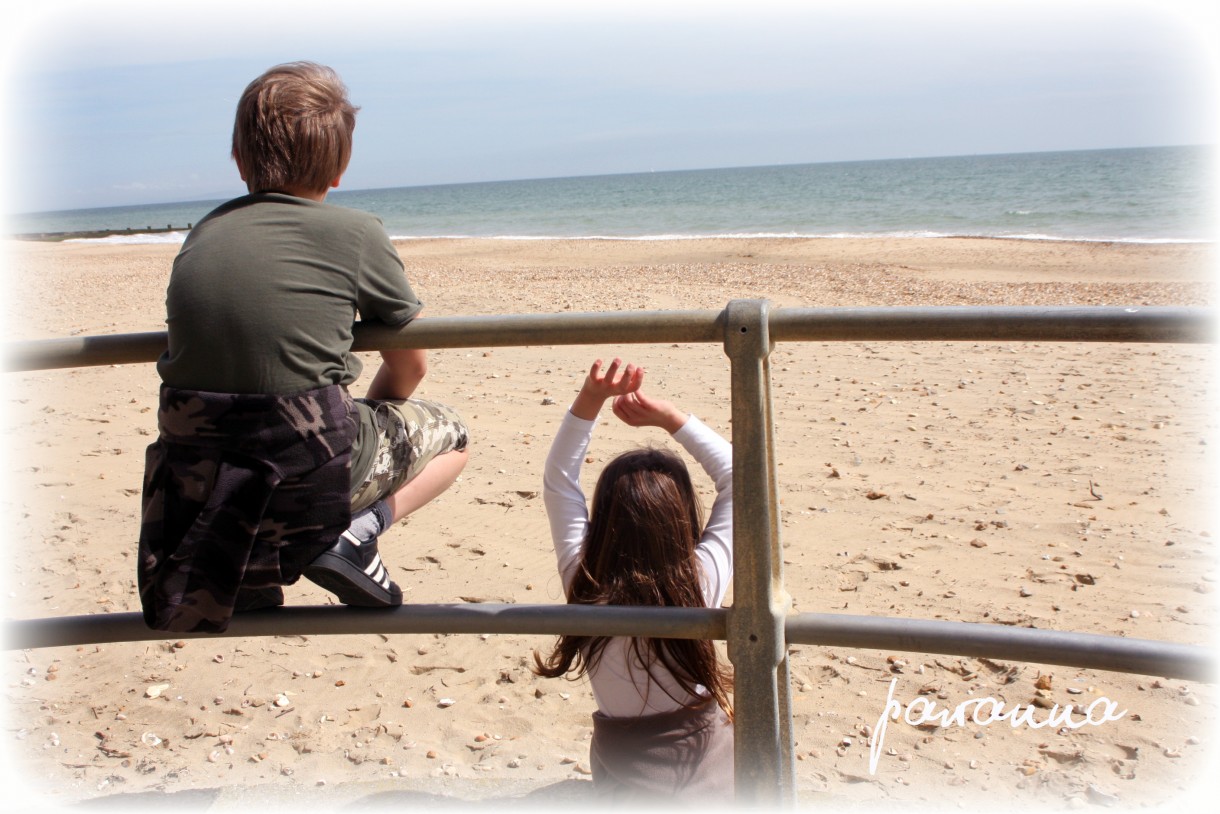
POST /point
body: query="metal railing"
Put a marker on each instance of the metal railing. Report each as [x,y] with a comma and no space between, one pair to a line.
[759,626]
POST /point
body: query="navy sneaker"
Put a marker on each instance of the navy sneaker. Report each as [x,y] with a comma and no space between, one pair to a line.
[353,571]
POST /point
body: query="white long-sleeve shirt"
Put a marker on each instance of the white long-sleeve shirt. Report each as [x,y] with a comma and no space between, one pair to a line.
[620,688]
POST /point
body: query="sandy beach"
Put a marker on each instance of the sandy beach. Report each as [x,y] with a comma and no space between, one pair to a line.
[1056,486]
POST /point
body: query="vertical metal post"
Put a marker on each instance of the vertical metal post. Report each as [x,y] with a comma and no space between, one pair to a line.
[763,750]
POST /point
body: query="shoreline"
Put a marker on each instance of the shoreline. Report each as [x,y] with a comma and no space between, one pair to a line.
[101,235]
[94,234]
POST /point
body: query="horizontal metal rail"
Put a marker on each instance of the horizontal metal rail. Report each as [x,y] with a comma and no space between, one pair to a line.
[325,620]
[1001,642]
[996,324]
[318,620]
[1094,651]
[952,323]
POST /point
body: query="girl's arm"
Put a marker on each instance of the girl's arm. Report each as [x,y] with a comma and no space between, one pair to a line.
[566,510]
[600,386]
[715,550]
[561,494]
[715,455]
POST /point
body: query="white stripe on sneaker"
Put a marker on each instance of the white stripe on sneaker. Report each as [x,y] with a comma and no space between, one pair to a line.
[377,572]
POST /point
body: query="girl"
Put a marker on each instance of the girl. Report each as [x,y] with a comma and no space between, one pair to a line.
[663,724]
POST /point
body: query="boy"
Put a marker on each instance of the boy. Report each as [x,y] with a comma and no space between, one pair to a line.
[266,469]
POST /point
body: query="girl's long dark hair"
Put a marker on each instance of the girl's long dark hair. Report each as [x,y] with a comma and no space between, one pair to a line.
[644,525]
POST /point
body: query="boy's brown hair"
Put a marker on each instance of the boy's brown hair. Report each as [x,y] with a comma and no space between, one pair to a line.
[293,130]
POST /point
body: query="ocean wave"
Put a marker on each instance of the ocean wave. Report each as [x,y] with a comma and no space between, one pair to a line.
[176,238]
[157,237]
[813,236]
[1140,240]
[680,236]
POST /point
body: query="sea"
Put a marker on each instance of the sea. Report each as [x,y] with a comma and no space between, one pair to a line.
[1135,195]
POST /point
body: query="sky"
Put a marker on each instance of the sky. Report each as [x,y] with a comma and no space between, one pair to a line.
[124,102]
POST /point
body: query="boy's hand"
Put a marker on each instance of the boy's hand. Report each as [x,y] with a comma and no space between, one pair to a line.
[639,410]
[601,385]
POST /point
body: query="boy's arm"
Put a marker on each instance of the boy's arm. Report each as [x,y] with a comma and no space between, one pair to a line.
[402,369]
[384,295]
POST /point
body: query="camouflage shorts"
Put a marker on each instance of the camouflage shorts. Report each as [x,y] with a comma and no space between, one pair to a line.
[410,434]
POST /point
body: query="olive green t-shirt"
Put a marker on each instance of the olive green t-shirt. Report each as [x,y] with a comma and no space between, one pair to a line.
[264,294]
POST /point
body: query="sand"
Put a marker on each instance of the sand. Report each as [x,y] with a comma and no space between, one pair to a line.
[1042,485]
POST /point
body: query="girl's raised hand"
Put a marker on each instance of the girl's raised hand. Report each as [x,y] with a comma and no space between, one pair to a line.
[638,410]
[615,381]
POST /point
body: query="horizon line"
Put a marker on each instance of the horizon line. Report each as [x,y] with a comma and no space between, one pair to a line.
[343,192]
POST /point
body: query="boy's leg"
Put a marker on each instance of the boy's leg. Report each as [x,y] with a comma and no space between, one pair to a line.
[421,451]
[419,455]
[436,477]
